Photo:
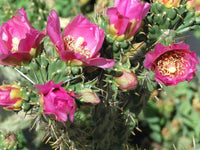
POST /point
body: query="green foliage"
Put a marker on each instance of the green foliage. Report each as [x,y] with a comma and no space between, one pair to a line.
[174,118]
[166,23]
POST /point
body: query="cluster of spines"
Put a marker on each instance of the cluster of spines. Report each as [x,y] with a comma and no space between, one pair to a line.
[176,20]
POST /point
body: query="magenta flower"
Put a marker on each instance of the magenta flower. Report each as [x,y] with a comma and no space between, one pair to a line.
[125,18]
[80,42]
[127,81]
[19,41]
[10,97]
[172,64]
[56,101]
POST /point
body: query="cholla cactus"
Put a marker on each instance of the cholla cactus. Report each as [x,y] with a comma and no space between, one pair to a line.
[85,86]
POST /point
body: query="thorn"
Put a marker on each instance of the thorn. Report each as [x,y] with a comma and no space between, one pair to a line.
[180,16]
[164,13]
[133,133]
[138,129]
[174,147]
[48,140]
[23,75]
[193,141]
[149,25]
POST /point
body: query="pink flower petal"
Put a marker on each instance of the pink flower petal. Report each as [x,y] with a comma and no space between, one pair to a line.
[54,30]
[101,62]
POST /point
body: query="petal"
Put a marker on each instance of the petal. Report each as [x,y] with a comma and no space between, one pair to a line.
[19,25]
[54,30]
[101,62]
[67,55]
[27,43]
[77,21]
[120,21]
[99,38]
[71,114]
[39,38]
[45,88]
[14,58]
[133,9]
[81,27]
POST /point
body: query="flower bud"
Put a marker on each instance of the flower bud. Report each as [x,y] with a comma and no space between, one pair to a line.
[10,97]
[125,18]
[56,102]
[127,81]
[89,96]
[19,41]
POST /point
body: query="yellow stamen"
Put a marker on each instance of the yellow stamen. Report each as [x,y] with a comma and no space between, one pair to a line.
[76,46]
[15,42]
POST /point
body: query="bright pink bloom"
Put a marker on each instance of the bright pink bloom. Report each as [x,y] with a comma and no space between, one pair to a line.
[126,16]
[172,64]
[56,101]
[127,81]
[19,41]
[80,42]
[10,97]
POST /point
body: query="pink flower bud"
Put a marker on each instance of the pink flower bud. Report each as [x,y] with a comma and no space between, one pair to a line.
[127,81]
[56,101]
[81,41]
[90,97]
[19,41]
[10,97]
[125,18]
[172,64]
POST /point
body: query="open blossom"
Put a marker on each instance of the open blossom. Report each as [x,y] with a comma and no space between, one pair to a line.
[125,18]
[56,101]
[170,3]
[80,42]
[172,64]
[127,81]
[19,41]
[10,97]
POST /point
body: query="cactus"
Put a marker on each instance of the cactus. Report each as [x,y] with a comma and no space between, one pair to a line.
[166,23]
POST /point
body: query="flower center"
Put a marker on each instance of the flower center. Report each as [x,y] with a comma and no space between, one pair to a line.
[77,46]
[172,64]
[15,43]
